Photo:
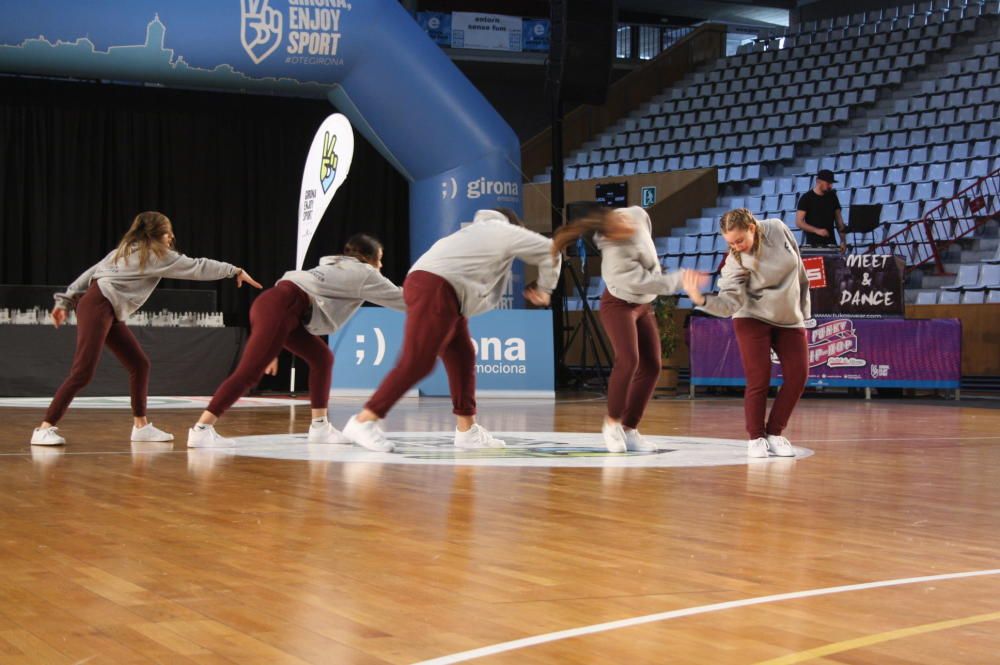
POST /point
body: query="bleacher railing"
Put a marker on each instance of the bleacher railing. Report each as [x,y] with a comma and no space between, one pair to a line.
[925,241]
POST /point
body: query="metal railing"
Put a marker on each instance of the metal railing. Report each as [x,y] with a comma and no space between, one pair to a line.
[925,241]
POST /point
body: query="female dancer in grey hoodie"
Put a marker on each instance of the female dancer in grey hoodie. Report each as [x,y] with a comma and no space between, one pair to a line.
[302,305]
[104,297]
[634,278]
[461,275]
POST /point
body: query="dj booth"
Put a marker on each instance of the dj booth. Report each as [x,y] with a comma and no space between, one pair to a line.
[860,339]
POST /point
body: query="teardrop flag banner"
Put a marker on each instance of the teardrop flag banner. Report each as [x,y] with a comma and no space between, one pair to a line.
[326,168]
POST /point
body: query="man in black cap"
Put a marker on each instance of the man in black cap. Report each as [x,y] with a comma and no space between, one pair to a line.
[818,209]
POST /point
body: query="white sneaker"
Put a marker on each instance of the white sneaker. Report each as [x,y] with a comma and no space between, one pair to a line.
[636,442]
[614,437]
[208,438]
[150,433]
[326,433]
[757,447]
[47,437]
[477,437]
[368,435]
[780,446]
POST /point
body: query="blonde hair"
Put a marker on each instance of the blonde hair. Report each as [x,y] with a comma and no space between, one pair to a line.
[741,219]
[145,236]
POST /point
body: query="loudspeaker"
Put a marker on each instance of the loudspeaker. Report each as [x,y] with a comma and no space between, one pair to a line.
[582,49]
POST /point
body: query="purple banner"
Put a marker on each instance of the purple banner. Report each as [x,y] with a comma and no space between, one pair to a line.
[887,353]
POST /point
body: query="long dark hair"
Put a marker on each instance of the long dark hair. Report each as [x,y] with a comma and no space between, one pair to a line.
[582,217]
[145,236]
[363,247]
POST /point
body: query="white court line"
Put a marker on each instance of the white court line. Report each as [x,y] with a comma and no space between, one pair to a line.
[690,611]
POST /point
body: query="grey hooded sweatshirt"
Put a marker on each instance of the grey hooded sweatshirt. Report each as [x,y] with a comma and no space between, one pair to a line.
[337,287]
[476,260]
[771,287]
[127,287]
[630,267]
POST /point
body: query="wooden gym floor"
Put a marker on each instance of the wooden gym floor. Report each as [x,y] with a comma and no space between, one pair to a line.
[115,555]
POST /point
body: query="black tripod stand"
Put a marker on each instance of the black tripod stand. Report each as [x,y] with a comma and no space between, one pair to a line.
[589,372]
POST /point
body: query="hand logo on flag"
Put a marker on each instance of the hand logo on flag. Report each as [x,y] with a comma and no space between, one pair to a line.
[328,165]
[330,155]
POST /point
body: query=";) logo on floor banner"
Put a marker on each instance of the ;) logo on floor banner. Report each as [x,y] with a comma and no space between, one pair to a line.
[513,352]
[326,168]
[360,355]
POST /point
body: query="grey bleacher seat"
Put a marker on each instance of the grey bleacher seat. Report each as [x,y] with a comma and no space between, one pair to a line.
[989,276]
[949,298]
[924,191]
[706,263]
[927,298]
[875,178]
[910,211]
[973,298]
[979,168]
[982,149]
[936,172]
[945,190]
[706,226]
[967,277]
[993,297]
[882,195]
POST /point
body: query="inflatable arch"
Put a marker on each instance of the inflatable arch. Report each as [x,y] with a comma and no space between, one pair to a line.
[369,57]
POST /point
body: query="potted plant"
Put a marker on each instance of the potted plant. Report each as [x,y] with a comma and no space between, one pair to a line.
[664,308]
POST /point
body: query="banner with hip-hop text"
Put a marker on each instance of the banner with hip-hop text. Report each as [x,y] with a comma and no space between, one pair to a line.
[864,353]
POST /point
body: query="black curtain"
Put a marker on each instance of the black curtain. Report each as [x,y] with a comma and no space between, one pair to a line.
[79,160]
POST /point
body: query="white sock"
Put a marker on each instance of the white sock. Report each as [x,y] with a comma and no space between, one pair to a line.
[201,426]
[319,421]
